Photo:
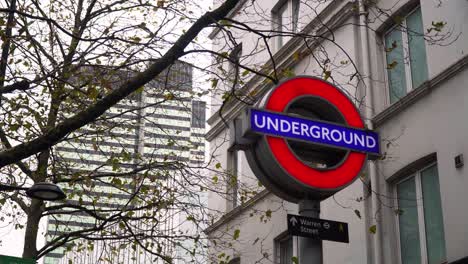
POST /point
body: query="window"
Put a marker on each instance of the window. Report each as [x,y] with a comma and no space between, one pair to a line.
[232,179]
[406,56]
[198,114]
[285,18]
[234,60]
[420,222]
[284,249]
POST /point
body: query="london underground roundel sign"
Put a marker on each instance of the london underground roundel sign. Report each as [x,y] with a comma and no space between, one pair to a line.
[308,140]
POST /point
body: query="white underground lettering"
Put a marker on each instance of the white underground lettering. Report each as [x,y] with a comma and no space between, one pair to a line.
[295,128]
[359,138]
[325,133]
[370,142]
[350,138]
[257,123]
[285,127]
[336,135]
[305,130]
[315,131]
[272,124]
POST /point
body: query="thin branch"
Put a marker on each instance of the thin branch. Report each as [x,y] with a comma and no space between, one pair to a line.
[6,143]
[55,134]
[21,86]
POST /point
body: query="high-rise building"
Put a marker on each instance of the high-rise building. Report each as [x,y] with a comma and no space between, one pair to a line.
[146,143]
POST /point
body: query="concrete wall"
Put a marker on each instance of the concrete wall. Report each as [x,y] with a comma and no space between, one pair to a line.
[442,50]
[432,122]
[435,124]
[256,241]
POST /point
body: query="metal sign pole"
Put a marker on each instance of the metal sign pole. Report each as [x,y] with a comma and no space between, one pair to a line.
[310,249]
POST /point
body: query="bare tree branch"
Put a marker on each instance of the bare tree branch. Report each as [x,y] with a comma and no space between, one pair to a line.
[55,134]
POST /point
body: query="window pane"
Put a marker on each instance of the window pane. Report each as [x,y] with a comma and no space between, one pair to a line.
[417,49]
[234,64]
[232,183]
[284,22]
[395,65]
[435,238]
[286,251]
[295,14]
[408,223]
[198,114]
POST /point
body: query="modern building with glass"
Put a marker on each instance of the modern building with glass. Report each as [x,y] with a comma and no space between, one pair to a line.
[160,124]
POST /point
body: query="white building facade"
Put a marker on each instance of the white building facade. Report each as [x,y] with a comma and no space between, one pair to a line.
[404,64]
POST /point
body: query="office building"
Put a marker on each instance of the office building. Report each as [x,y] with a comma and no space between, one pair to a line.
[137,150]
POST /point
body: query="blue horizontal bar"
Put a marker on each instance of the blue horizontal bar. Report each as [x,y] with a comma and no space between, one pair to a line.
[330,134]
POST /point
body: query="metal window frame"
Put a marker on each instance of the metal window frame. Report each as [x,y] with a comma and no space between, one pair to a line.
[198,117]
[277,22]
[406,54]
[277,246]
[233,171]
[233,64]
[420,208]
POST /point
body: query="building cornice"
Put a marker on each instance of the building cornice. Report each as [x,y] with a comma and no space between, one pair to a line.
[283,60]
[460,261]
[231,13]
[236,211]
[418,93]
[413,167]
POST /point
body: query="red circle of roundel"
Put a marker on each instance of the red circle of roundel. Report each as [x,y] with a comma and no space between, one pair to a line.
[330,179]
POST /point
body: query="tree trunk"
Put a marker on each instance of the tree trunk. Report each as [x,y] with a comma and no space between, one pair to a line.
[32,228]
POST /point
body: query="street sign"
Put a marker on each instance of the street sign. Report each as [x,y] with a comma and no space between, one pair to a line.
[15,260]
[305,139]
[318,228]
[313,131]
